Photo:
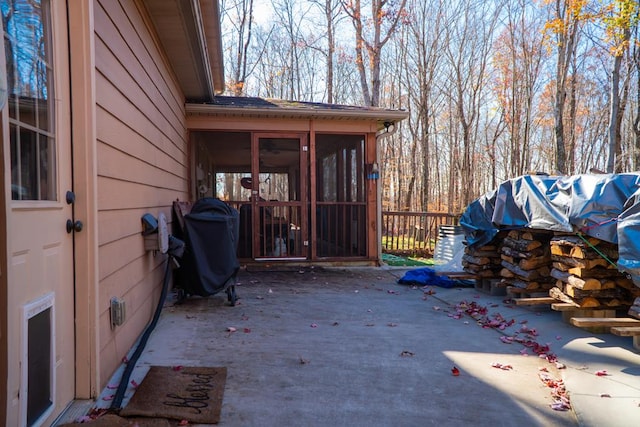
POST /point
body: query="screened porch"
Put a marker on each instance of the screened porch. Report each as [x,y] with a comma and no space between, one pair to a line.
[298,199]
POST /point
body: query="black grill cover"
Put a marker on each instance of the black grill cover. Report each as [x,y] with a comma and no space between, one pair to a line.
[211,234]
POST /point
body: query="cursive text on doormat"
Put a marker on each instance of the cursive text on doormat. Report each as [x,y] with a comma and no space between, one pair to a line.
[196,394]
[185,393]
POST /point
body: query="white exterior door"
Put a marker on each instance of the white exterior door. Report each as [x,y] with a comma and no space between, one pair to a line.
[36,133]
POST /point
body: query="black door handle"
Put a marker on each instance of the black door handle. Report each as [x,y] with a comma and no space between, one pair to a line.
[73,226]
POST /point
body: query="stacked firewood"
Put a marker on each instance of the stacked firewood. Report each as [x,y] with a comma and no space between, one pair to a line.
[483,261]
[526,260]
[586,274]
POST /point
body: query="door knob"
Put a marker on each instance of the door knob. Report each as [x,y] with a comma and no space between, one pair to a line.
[73,226]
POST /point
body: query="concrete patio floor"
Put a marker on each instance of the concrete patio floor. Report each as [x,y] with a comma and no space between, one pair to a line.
[352,347]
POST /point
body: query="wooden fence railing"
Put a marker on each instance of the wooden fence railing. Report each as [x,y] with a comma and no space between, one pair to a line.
[413,233]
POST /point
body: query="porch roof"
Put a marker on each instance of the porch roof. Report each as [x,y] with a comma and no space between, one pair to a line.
[233,106]
[190,34]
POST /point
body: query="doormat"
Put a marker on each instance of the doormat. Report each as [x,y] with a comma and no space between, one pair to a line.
[186,393]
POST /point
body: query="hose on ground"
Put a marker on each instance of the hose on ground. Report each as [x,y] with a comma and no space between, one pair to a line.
[131,363]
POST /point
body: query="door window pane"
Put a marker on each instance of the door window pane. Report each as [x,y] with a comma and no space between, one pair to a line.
[29,70]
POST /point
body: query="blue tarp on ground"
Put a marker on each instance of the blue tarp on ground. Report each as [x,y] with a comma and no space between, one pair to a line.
[605,206]
[427,276]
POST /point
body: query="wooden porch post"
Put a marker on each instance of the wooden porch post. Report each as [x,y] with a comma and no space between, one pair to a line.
[372,200]
[312,190]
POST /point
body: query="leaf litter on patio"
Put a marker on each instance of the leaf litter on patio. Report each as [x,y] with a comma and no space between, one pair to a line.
[524,335]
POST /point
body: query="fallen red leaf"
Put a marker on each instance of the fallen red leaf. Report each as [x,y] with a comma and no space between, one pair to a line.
[602,373]
[501,366]
[560,406]
[455,371]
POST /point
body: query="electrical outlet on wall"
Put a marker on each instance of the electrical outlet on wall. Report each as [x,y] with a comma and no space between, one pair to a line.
[118,312]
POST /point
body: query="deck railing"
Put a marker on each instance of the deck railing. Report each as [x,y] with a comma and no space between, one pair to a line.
[413,233]
[405,233]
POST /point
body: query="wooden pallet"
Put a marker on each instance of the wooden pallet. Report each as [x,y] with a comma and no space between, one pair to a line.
[604,321]
[628,331]
[490,286]
[519,293]
[457,275]
[621,326]
[527,301]
[570,311]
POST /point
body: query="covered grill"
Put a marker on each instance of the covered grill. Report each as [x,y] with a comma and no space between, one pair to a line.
[210,264]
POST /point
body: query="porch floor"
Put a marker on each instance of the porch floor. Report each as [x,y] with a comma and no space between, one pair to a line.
[351,347]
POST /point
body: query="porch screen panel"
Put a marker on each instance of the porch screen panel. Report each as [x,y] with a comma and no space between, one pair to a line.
[279,198]
[341,205]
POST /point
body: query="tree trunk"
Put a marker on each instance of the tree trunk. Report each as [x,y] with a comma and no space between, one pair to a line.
[636,120]
[558,116]
[566,45]
[373,48]
[614,106]
[245,14]
[331,47]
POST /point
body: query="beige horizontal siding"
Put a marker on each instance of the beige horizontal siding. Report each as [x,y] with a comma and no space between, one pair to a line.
[142,156]
[120,165]
[116,224]
[136,123]
[141,302]
[136,48]
[151,149]
[118,194]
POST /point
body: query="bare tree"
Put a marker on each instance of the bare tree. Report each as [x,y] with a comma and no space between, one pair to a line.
[623,16]
[518,56]
[482,83]
[636,120]
[370,39]
[422,48]
[330,9]
[240,15]
[565,24]
[467,48]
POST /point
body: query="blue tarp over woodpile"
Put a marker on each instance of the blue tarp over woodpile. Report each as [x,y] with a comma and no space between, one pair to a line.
[603,206]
